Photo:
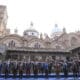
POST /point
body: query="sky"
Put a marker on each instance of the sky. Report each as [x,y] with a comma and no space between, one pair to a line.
[44,14]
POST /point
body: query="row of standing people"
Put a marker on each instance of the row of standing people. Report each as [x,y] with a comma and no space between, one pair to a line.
[25,68]
[39,68]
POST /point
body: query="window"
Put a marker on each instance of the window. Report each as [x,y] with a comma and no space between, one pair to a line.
[37,45]
[11,44]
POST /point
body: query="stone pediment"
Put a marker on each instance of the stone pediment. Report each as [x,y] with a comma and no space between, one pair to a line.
[12,36]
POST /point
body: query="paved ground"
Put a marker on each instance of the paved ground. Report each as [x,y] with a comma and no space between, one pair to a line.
[40,79]
[32,78]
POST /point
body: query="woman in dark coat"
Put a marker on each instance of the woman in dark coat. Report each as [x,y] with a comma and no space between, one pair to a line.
[14,70]
[28,68]
[6,70]
[21,70]
[50,67]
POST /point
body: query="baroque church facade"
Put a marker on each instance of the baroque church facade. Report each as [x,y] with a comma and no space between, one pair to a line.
[33,46]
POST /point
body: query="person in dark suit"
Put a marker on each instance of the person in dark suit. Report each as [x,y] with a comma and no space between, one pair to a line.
[65,69]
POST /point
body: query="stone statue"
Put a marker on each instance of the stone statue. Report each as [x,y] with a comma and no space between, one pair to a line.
[46,36]
[41,36]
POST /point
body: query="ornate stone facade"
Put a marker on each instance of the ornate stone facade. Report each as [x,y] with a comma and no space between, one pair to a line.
[33,44]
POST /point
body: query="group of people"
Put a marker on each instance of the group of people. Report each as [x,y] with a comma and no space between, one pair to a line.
[43,68]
